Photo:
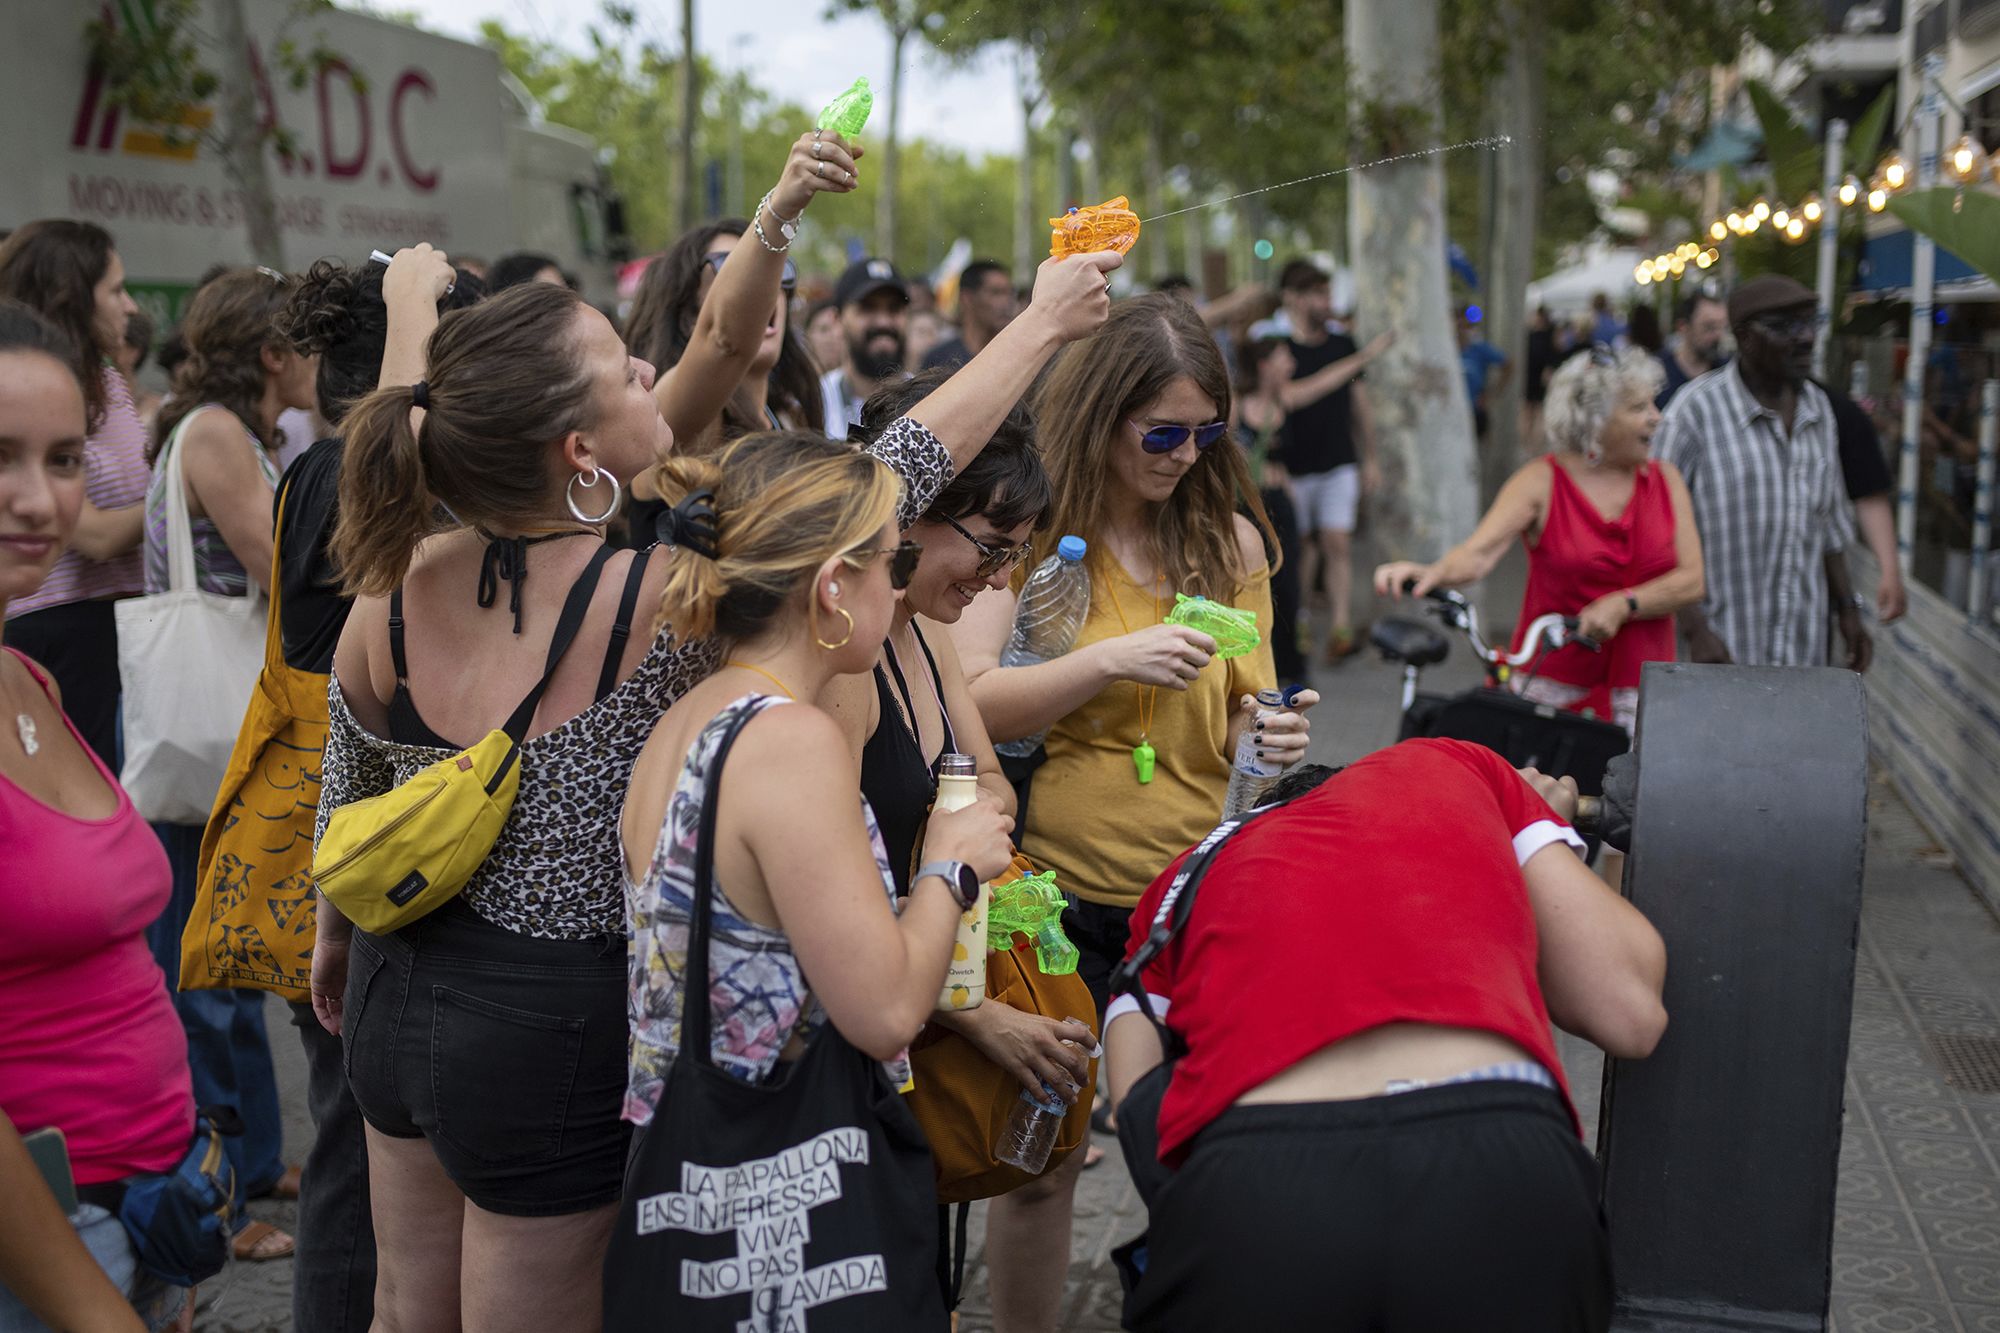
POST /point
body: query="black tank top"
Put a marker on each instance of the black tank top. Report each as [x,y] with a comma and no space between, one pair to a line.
[898,782]
[407,725]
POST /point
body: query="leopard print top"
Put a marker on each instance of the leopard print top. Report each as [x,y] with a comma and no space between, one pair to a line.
[556,871]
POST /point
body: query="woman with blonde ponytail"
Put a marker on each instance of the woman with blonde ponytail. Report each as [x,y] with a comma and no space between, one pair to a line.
[486,1043]
[798,577]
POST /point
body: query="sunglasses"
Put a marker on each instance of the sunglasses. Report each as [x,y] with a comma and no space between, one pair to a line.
[1166,439]
[902,561]
[789,282]
[993,559]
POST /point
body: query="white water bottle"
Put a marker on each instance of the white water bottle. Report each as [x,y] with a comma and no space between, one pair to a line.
[1055,601]
[965,977]
[1250,777]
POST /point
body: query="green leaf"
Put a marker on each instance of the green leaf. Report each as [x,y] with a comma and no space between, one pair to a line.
[1965,222]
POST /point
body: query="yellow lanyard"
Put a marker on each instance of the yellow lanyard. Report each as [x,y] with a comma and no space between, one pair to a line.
[1143,754]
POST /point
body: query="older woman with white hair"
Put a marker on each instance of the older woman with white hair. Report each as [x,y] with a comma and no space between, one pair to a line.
[1609,531]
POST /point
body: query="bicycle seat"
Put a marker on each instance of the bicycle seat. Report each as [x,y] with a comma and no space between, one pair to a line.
[1411,641]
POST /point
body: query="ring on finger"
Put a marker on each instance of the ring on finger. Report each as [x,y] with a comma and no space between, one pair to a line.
[819,170]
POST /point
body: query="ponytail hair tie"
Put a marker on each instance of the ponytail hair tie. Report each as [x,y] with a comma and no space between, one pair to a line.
[420,395]
[691,523]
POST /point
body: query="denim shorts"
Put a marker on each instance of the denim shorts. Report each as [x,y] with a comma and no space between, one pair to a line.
[104,1236]
[506,1052]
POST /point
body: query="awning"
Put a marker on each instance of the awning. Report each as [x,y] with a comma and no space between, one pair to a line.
[1887,262]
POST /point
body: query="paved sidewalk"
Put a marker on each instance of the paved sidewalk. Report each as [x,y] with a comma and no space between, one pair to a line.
[1918,1237]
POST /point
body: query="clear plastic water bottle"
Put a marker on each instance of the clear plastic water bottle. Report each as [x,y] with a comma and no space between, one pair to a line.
[1250,777]
[1031,1130]
[1055,601]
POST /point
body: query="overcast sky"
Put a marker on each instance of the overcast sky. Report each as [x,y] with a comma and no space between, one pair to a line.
[791,51]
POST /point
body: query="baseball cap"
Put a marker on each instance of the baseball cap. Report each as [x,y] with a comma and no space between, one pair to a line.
[865,276]
[1767,292]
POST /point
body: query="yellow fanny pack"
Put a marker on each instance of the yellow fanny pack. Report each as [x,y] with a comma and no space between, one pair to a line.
[393,859]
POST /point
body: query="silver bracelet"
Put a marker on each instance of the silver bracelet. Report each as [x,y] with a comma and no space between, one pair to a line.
[787,227]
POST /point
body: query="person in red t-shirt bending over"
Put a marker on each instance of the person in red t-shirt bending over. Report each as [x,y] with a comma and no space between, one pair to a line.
[1370,1127]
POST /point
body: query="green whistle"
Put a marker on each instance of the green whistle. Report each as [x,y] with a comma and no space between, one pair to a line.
[1033,906]
[847,113]
[1234,629]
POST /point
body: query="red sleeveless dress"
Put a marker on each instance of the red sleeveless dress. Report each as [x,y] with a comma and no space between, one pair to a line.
[1582,555]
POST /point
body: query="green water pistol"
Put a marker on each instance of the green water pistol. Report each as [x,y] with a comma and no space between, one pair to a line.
[1233,628]
[847,113]
[1033,906]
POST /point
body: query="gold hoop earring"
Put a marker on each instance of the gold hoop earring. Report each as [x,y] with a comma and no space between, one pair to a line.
[847,639]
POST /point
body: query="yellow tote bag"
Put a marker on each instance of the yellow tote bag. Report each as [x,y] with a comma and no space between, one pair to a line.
[252,927]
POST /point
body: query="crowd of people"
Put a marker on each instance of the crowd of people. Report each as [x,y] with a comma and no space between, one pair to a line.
[730,588]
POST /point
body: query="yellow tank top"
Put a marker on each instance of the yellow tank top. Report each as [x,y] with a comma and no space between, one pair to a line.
[1089,819]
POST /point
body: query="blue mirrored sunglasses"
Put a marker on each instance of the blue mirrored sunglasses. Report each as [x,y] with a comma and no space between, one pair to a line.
[789,282]
[1166,439]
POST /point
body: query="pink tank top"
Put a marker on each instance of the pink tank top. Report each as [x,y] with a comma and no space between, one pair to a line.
[89,1041]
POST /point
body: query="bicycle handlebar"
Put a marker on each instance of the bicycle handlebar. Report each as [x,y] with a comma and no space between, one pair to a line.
[1554,628]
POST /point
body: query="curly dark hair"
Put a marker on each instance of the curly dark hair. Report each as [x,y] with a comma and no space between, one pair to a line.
[665,308]
[1006,484]
[229,322]
[53,267]
[338,313]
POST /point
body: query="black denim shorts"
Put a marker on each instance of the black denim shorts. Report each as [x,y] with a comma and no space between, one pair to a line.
[505,1051]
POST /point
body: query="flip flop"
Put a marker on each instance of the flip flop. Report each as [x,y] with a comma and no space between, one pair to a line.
[1092,1155]
[260,1241]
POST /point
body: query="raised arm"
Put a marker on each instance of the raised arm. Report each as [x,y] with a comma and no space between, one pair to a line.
[1309,390]
[411,288]
[1516,511]
[730,327]
[1071,301]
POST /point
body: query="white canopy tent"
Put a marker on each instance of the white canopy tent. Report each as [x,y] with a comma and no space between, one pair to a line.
[1568,291]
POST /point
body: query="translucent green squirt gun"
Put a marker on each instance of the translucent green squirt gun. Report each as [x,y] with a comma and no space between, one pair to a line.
[1234,629]
[1033,906]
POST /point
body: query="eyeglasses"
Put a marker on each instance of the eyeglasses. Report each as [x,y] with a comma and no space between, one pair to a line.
[1787,326]
[789,282]
[1166,439]
[993,559]
[902,561]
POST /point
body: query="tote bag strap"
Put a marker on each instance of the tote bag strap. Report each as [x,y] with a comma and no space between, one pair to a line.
[695,1016]
[274,633]
[180,527]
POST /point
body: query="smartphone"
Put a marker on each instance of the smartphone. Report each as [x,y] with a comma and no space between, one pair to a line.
[50,1152]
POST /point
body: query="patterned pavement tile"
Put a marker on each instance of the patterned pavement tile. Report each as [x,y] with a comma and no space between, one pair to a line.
[1971,1281]
[1870,1314]
[1871,1229]
[1882,1273]
[1957,1234]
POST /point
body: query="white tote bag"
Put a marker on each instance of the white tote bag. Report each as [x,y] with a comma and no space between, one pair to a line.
[189,660]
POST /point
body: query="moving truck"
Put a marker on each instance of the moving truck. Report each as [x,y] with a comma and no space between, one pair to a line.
[407,136]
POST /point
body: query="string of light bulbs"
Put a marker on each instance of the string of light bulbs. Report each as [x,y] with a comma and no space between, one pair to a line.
[1966,163]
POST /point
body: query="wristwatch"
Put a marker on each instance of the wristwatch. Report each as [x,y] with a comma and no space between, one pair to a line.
[1631,604]
[960,878]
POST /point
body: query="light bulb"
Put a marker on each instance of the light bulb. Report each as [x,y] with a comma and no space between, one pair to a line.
[1795,230]
[1643,274]
[1735,223]
[1878,198]
[1850,190]
[1812,210]
[1678,266]
[1782,219]
[1967,159]
[1894,173]
[1703,260]
[1718,230]
[1760,210]
[1751,223]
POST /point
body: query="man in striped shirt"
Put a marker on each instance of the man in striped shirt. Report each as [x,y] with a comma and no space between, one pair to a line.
[1756,442]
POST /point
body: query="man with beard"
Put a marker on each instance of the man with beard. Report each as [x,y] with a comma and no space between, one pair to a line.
[874,304]
[1756,442]
[1698,328]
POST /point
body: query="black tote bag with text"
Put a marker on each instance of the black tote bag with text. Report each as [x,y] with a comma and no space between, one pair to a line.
[801,1205]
